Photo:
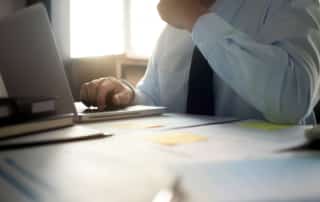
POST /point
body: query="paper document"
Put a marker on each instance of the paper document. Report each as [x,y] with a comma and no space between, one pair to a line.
[225,142]
[163,122]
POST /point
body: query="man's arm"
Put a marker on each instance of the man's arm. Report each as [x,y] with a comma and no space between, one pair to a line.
[277,74]
[111,92]
[147,91]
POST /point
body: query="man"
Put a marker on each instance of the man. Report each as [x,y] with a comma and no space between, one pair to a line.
[263,57]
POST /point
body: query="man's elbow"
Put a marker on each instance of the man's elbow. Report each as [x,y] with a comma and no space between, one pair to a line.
[296,98]
[290,111]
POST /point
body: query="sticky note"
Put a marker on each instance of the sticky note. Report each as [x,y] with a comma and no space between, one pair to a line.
[172,139]
[260,125]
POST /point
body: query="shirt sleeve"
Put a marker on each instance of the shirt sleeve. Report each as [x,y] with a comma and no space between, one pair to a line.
[147,91]
[278,72]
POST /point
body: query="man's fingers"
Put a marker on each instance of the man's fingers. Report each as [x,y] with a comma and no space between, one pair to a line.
[88,92]
[122,99]
[105,92]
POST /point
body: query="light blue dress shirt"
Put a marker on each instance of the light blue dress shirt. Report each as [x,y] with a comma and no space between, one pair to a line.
[265,54]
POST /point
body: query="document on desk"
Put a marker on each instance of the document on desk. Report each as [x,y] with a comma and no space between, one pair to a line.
[156,123]
[225,142]
[289,177]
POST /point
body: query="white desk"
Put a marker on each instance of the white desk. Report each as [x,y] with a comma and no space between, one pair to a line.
[128,167]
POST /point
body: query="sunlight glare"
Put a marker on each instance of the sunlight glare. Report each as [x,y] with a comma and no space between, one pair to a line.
[146,26]
[96,28]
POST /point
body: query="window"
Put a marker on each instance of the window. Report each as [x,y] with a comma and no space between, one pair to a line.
[146,26]
[108,27]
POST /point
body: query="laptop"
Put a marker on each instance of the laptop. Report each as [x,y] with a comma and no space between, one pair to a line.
[31,66]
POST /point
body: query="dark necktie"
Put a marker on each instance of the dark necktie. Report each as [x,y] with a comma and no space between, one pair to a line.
[200,94]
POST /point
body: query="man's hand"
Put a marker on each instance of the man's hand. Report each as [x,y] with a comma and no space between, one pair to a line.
[183,14]
[106,92]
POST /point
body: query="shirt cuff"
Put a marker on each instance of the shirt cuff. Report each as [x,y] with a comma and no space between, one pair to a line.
[141,99]
[210,29]
[129,85]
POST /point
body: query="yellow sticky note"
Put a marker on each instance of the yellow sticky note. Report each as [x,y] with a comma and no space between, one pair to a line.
[260,125]
[173,139]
